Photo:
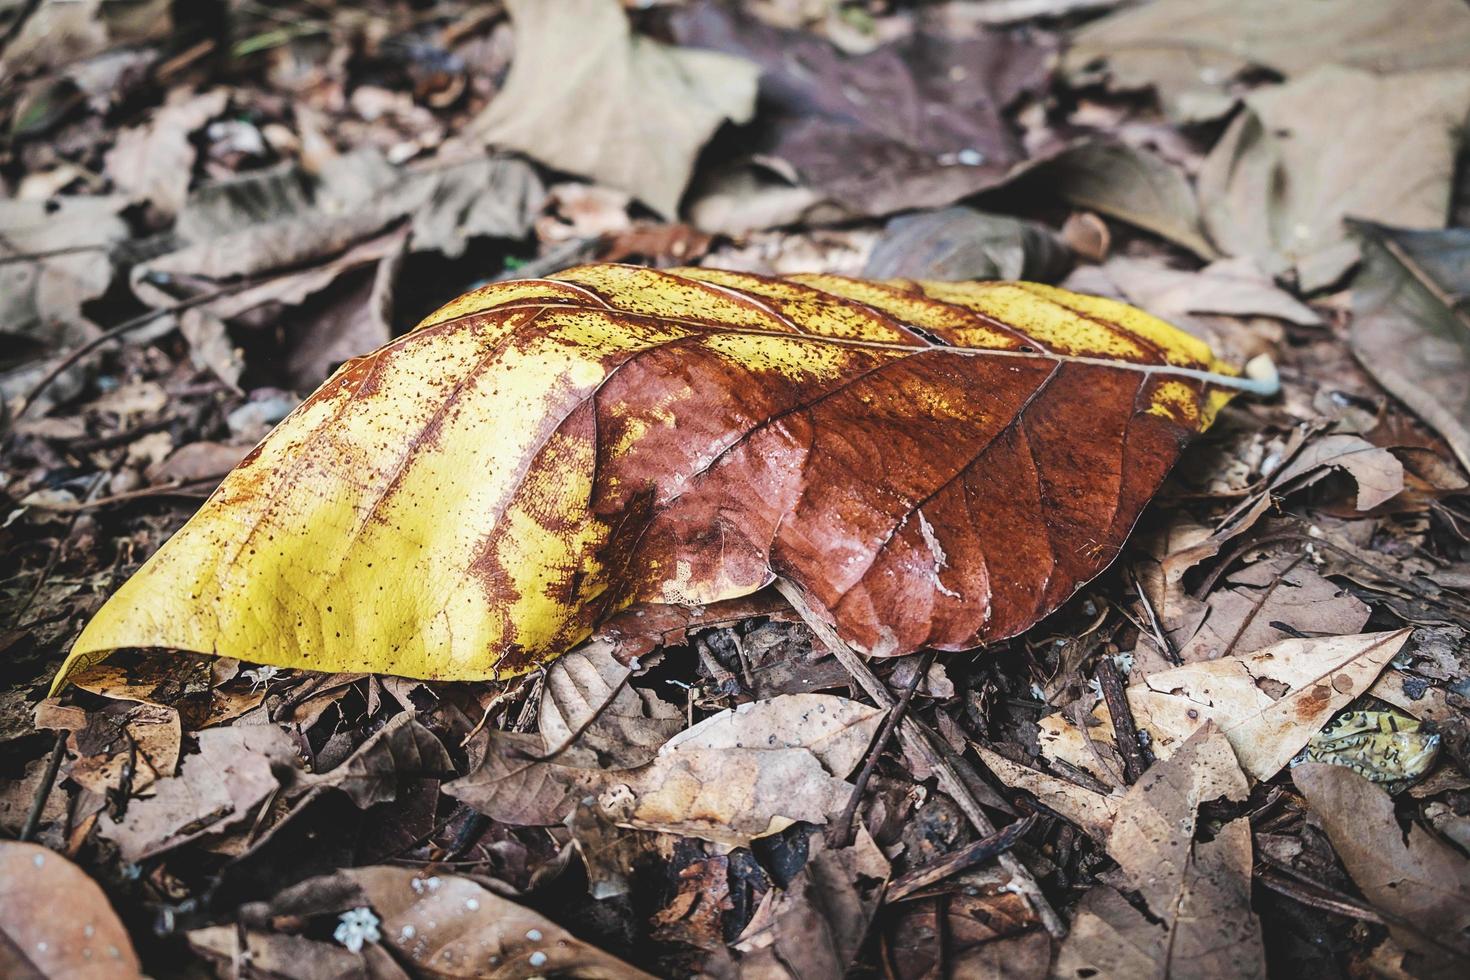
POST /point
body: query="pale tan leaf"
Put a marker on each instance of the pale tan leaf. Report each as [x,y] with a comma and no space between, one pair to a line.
[56,922]
[625,728]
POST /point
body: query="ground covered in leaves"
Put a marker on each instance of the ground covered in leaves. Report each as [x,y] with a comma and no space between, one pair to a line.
[1242,750]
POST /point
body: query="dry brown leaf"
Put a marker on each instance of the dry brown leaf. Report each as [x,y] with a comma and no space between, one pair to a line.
[1378,472]
[56,922]
[155,162]
[815,926]
[1410,329]
[1334,143]
[1199,921]
[744,773]
[1268,703]
[625,728]
[1193,51]
[1419,880]
[1281,591]
[962,243]
[588,96]
[1094,812]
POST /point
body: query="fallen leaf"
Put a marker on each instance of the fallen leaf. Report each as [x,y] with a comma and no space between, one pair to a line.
[912,124]
[587,698]
[961,243]
[815,926]
[1378,472]
[155,162]
[87,942]
[1409,327]
[1197,894]
[723,430]
[1123,182]
[1420,881]
[1268,704]
[1272,600]
[1193,52]
[1335,142]
[1094,812]
[233,773]
[744,773]
[588,96]
[372,774]
[1233,287]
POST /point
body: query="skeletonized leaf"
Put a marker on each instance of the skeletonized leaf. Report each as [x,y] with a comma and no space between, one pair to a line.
[934,464]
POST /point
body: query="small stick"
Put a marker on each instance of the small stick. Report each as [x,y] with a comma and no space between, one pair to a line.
[43,792]
[1125,732]
[956,861]
[916,740]
[841,832]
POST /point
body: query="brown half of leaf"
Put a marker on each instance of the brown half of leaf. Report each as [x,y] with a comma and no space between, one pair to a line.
[933,464]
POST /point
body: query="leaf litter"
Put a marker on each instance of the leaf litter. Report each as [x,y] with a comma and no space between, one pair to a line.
[201,223]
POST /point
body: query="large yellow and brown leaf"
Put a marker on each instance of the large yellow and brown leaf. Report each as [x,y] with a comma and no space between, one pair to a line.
[933,464]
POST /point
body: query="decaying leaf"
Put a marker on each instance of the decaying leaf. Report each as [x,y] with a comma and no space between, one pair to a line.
[1421,881]
[587,698]
[1334,143]
[1199,921]
[472,499]
[588,96]
[154,162]
[1378,472]
[56,922]
[1410,328]
[1267,703]
[962,243]
[744,773]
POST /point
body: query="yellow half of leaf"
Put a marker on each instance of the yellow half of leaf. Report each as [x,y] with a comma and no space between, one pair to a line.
[935,463]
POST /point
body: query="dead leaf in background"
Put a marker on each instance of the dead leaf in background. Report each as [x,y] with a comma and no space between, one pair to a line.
[56,922]
[1233,287]
[624,729]
[1268,704]
[1123,182]
[1192,52]
[1419,880]
[962,243]
[1334,143]
[1377,472]
[373,772]
[815,926]
[154,162]
[915,123]
[1094,812]
[1269,599]
[57,34]
[1199,921]
[588,96]
[1016,462]
[1410,329]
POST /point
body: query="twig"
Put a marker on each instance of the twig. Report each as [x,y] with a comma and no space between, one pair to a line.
[1258,604]
[52,253]
[112,333]
[840,835]
[916,740]
[956,861]
[43,792]
[1125,732]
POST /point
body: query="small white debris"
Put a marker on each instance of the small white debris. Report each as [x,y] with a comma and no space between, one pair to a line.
[408,932]
[357,927]
[970,157]
[260,675]
[41,947]
[430,884]
[634,665]
[473,904]
[538,958]
[534,935]
[39,860]
[1037,692]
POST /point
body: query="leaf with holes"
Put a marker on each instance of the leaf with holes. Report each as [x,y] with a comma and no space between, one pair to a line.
[933,464]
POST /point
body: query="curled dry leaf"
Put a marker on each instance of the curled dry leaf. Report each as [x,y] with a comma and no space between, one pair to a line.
[1378,472]
[1421,881]
[588,96]
[587,696]
[933,464]
[1268,704]
[1197,894]
[55,921]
